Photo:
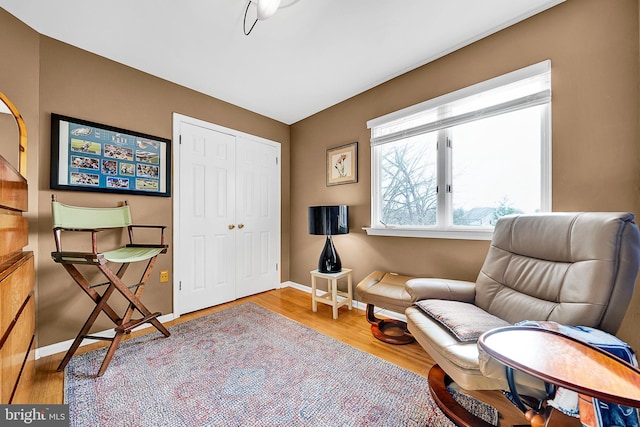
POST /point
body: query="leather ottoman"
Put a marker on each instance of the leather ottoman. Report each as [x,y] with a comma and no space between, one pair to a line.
[388,291]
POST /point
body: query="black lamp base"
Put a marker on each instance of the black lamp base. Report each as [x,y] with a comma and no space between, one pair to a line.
[329,260]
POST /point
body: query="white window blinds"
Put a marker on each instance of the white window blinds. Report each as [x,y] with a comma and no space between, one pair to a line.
[519,89]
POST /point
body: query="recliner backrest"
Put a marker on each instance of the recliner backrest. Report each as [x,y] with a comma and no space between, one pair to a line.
[571,268]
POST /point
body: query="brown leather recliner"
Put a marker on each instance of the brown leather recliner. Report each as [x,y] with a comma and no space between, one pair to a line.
[571,268]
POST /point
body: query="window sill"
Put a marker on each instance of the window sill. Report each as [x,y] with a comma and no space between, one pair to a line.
[474,234]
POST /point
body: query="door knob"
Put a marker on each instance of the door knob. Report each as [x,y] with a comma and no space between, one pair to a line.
[231,226]
[240,225]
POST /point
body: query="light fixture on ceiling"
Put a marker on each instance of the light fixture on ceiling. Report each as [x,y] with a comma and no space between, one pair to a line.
[266,9]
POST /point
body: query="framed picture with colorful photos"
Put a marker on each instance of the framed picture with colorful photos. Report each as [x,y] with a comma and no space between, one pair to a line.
[89,156]
[342,164]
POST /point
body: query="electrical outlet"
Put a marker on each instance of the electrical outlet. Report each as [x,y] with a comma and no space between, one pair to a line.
[164,275]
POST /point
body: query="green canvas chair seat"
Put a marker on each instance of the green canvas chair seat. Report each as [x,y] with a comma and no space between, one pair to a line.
[132,254]
[92,222]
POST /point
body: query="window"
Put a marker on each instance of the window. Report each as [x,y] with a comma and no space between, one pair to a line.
[451,166]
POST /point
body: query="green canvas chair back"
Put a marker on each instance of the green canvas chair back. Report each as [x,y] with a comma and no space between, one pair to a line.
[65,216]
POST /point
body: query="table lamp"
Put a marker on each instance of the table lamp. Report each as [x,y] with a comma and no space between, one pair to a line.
[329,221]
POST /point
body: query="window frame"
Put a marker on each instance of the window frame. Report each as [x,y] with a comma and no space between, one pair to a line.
[444,227]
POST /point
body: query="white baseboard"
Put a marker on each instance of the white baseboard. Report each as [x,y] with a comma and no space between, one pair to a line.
[356,304]
[298,286]
[65,345]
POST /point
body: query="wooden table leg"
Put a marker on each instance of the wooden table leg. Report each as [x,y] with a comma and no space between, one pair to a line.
[350,291]
[334,297]
[314,303]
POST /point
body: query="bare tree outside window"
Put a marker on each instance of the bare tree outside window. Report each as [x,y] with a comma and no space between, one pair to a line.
[408,181]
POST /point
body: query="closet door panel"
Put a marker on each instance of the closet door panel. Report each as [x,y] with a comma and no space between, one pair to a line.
[258,215]
[207,214]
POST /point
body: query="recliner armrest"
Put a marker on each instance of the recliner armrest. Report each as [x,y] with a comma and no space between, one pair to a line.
[447,289]
[371,280]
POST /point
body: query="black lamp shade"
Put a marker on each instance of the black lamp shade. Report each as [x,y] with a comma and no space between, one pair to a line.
[329,221]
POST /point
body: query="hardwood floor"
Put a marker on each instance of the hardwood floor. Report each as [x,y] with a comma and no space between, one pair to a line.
[351,327]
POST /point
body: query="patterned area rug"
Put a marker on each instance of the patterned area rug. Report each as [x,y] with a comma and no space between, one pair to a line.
[247,366]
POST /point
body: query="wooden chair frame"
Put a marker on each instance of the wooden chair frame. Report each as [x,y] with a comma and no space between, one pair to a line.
[130,253]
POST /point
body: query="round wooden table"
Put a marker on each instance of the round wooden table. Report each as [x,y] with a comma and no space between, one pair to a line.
[564,361]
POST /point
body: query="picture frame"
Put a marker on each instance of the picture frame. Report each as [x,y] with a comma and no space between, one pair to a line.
[89,156]
[342,164]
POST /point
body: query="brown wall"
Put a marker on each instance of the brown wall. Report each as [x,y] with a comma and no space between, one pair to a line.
[19,81]
[52,77]
[593,47]
[76,83]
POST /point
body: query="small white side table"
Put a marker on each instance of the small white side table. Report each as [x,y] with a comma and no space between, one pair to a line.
[331,296]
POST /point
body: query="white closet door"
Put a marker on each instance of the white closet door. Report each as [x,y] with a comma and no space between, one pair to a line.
[226,215]
[207,212]
[258,217]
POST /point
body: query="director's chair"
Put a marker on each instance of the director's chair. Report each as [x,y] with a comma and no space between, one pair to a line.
[92,221]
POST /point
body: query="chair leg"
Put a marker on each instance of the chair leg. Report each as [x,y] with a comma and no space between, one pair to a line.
[100,306]
[134,301]
[124,324]
[380,329]
[127,324]
[86,287]
[438,381]
[119,333]
[110,352]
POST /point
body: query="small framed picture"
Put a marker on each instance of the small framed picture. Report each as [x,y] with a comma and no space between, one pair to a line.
[342,164]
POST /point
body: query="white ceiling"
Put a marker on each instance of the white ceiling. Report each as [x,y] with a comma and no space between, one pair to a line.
[309,56]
